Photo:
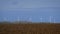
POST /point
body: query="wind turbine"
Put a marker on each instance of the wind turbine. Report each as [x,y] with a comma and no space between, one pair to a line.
[4,19]
[18,19]
[51,17]
[30,19]
[25,18]
[41,18]
[54,20]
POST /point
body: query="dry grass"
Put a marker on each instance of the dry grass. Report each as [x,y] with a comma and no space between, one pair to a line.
[29,28]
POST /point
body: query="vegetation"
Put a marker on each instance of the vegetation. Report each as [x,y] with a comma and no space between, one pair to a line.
[29,28]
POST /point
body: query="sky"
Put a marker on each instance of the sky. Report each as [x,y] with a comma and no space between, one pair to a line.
[10,10]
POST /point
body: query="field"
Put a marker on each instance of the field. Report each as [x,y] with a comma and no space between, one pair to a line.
[33,28]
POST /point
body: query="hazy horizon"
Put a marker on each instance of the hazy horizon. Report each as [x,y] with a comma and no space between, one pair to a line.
[30,10]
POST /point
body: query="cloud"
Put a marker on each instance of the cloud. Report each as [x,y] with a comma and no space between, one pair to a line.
[22,4]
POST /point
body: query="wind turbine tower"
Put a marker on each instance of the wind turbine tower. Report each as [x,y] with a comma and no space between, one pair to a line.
[54,20]
[51,17]
[18,19]
[30,19]
[4,19]
[41,19]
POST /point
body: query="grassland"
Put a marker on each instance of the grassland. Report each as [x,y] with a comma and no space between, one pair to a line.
[30,28]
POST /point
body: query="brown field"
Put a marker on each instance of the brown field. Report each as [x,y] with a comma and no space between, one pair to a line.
[30,28]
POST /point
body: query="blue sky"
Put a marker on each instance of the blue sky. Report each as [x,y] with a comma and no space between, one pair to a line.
[11,9]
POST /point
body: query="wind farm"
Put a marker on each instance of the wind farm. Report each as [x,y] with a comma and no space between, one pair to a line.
[20,26]
[27,25]
[29,16]
[51,19]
